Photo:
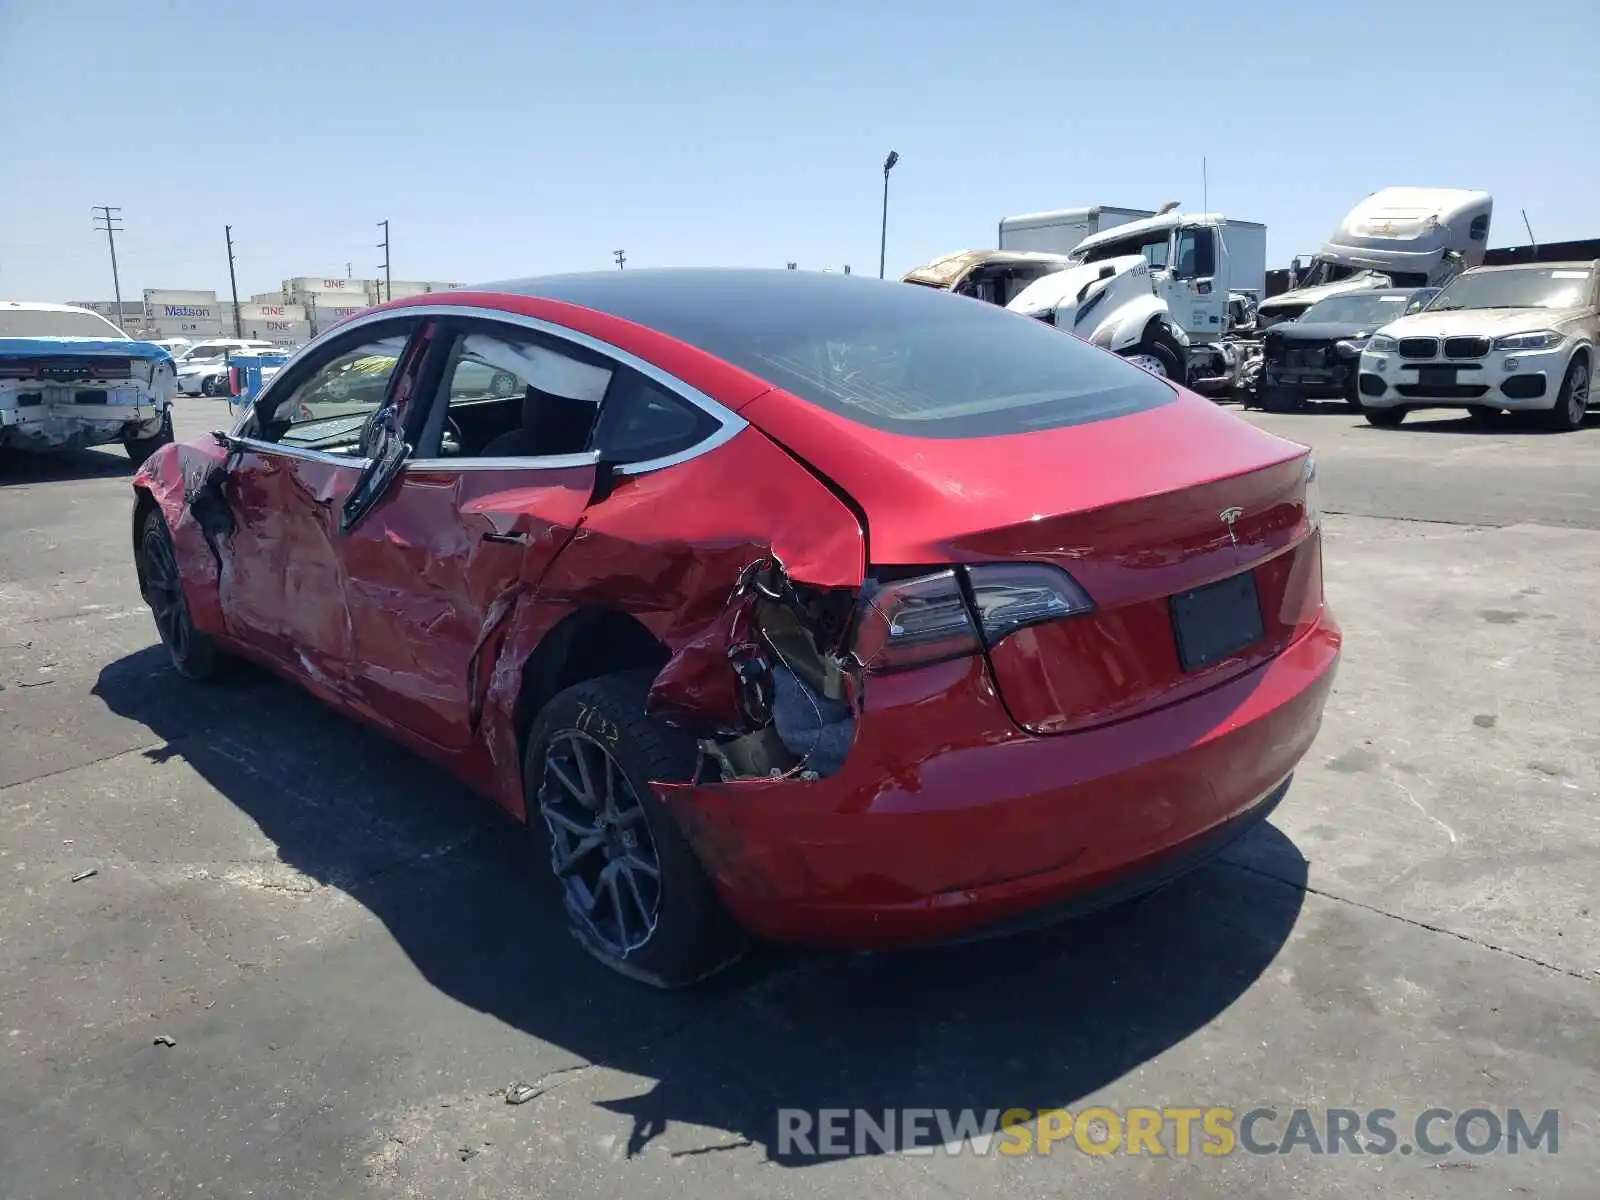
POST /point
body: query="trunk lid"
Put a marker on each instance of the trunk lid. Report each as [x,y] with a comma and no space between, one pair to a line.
[1138,510]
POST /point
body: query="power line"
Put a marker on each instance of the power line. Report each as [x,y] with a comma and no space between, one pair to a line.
[109,218]
[620,257]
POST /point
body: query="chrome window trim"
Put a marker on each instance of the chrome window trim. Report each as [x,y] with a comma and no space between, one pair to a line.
[724,434]
[730,424]
[552,462]
[336,460]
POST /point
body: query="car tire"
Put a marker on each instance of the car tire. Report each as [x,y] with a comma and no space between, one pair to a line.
[208,386]
[1572,401]
[607,832]
[1160,349]
[1281,400]
[1384,418]
[194,654]
[139,449]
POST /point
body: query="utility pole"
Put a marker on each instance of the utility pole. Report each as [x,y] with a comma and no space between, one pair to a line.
[620,257]
[883,237]
[388,283]
[233,284]
[110,219]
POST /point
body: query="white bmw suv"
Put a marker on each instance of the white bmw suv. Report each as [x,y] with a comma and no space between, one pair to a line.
[1519,338]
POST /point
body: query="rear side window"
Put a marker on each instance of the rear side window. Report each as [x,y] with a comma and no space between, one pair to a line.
[641,420]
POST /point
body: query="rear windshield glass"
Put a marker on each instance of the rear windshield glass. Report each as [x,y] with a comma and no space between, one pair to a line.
[1524,287]
[45,323]
[1358,309]
[894,357]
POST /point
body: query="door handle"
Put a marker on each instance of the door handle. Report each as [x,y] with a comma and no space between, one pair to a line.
[510,539]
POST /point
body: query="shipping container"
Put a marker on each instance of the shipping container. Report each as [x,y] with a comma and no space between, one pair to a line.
[159,296]
[403,288]
[271,312]
[132,310]
[279,333]
[188,312]
[271,298]
[307,285]
[189,327]
[333,302]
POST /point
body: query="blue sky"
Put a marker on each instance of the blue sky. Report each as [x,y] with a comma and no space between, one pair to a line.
[504,138]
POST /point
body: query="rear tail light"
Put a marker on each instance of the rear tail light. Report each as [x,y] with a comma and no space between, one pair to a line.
[914,622]
[1010,597]
[1313,501]
[958,611]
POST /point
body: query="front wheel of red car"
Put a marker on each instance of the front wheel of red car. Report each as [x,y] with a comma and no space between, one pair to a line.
[636,896]
[194,655]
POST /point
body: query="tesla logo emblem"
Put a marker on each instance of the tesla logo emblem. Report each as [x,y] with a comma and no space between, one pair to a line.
[1230,517]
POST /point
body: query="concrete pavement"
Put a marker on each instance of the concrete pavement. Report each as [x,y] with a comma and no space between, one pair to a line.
[354,958]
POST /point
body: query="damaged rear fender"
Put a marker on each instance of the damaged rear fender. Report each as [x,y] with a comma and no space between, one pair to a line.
[764,563]
[537,650]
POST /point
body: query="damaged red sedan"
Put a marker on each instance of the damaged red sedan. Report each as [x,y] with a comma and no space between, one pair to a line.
[806,606]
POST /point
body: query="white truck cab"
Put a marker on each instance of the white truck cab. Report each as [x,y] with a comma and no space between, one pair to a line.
[1158,290]
[1396,237]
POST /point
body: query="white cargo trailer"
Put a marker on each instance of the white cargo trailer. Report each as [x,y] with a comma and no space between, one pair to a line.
[1060,231]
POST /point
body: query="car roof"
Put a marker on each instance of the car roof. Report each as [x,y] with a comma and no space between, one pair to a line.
[669,299]
[45,306]
[1378,292]
[1575,265]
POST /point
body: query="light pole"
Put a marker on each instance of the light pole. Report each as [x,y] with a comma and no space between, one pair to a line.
[109,218]
[388,281]
[883,237]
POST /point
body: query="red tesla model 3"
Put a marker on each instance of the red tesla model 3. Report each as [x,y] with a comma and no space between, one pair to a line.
[815,607]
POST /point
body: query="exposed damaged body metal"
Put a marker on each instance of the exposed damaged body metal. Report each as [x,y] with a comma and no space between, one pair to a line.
[845,684]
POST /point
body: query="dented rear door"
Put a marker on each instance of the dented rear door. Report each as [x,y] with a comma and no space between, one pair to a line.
[435,569]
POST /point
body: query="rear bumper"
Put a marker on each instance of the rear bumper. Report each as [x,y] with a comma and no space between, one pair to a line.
[947,820]
[62,426]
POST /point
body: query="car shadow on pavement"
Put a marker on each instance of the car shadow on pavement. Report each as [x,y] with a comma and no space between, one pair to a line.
[1446,422]
[1036,1021]
[63,465]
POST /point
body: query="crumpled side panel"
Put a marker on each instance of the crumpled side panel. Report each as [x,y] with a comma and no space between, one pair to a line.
[711,683]
[174,475]
[743,504]
[669,548]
